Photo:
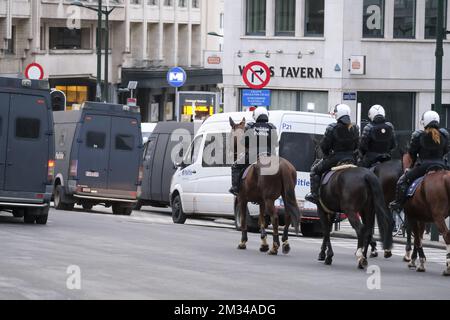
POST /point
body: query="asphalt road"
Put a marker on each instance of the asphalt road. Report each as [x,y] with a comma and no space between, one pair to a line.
[146,256]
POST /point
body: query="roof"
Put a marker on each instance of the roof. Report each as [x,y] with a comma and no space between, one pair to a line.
[16,83]
[170,127]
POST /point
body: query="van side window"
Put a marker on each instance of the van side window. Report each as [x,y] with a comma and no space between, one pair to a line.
[150,149]
[28,128]
[215,151]
[124,142]
[95,140]
[300,149]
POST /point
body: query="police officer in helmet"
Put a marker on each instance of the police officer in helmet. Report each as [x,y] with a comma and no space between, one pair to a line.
[264,141]
[378,139]
[339,144]
[427,149]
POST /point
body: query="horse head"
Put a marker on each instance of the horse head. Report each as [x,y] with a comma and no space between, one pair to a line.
[236,135]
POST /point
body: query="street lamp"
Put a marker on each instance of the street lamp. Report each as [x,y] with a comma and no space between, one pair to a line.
[100,11]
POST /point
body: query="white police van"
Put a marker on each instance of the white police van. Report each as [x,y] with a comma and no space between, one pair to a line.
[199,188]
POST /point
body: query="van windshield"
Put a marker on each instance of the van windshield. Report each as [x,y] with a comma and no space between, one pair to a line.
[301,149]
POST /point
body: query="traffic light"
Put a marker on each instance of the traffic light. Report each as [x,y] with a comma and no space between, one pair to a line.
[58,100]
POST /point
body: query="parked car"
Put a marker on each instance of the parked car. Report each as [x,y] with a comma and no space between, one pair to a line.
[199,188]
[26,149]
[158,163]
[98,157]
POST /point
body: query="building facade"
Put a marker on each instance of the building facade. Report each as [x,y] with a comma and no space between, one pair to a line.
[322,53]
[145,38]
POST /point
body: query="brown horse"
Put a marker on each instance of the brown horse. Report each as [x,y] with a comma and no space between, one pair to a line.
[264,190]
[429,204]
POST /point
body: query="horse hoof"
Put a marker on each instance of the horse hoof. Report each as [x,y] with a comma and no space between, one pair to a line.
[362,264]
[420,269]
[322,256]
[286,249]
[406,259]
[446,273]
[412,266]
[374,254]
[273,252]
[242,247]
[328,261]
[387,254]
[264,248]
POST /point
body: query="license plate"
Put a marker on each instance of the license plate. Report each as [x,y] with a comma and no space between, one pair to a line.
[92,174]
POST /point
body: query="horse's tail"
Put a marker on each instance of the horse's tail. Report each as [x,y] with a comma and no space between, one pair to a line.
[289,181]
[384,218]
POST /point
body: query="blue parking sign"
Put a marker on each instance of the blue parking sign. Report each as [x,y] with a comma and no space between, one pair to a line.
[176,77]
[255,98]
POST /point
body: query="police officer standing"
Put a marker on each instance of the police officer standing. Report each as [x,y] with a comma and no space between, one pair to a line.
[339,143]
[378,139]
[427,149]
[260,138]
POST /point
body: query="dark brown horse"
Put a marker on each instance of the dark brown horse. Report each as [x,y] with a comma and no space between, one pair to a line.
[429,204]
[264,190]
[357,193]
[389,173]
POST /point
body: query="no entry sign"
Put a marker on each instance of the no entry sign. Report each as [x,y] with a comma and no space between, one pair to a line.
[256,75]
[34,71]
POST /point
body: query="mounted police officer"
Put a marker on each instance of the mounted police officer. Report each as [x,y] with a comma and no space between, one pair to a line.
[378,139]
[339,144]
[260,138]
[427,150]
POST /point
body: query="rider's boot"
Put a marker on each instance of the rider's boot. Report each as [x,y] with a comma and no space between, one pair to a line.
[235,177]
[313,196]
[400,197]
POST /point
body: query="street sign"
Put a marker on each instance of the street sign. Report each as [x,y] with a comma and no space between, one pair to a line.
[255,98]
[256,75]
[176,77]
[132,102]
[34,71]
[349,96]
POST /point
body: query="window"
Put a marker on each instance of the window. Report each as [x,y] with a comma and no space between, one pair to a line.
[299,100]
[75,95]
[64,38]
[168,3]
[292,142]
[256,17]
[192,155]
[314,18]
[215,151]
[95,140]
[373,19]
[11,43]
[285,18]
[196,4]
[27,128]
[182,3]
[124,142]
[431,13]
[405,19]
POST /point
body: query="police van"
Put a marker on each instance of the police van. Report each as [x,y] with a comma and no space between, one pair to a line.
[26,148]
[199,188]
[98,157]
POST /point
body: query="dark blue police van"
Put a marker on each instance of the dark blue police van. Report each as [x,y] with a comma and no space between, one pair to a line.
[26,149]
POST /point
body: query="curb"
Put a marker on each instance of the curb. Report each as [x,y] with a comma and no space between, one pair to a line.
[426,243]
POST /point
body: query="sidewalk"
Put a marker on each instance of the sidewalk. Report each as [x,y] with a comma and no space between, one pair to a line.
[346,231]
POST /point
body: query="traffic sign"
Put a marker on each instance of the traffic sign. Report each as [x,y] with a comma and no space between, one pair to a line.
[256,75]
[255,98]
[176,77]
[34,71]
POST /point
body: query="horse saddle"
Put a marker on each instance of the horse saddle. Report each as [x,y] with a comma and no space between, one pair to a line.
[327,176]
[413,188]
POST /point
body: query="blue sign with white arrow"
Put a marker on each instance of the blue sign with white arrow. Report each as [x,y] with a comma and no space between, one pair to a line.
[176,77]
[255,98]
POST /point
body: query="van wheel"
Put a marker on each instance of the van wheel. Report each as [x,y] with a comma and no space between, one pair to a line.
[178,215]
[18,213]
[120,210]
[58,196]
[252,223]
[29,217]
[43,216]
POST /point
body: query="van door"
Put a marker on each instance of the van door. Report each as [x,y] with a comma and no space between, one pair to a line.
[4,111]
[125,154]
[28,144]
[148,165]
[93,151]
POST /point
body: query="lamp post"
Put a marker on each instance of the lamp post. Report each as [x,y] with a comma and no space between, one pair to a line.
[100,12]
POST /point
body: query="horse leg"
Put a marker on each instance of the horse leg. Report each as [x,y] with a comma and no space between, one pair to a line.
[324,222]
[286,246]
[368,223]
[442,227]
[415,229]
[408,249]
[244,239]
[330,252]
[360,232]
[262,224]
[274,217]
[422,258]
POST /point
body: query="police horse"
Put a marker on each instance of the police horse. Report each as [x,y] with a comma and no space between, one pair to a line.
[264,190]
[357,193]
